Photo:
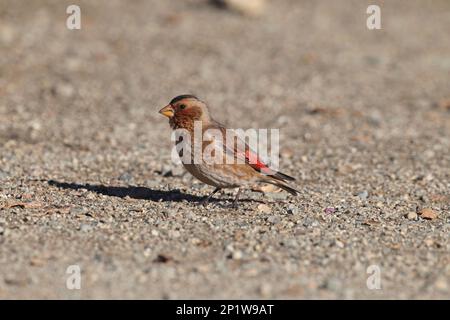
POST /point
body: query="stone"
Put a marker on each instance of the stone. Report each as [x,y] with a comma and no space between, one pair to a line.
[264,208]
[411,215]
[245,7]
[428,214]
[86,227]
[273,219]
[363,195]
[292,209]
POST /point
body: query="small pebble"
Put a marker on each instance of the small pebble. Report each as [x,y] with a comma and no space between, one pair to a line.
[126,177]
[442,283]
[339,244]
[292,209]
[86,227]
[363,195]
[236,255]
[411,215]
[245,7]
[265,290]
[78,211]
[428,214]
[264,208]
[273,219]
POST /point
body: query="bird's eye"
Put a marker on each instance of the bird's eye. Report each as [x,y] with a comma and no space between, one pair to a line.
[182,106]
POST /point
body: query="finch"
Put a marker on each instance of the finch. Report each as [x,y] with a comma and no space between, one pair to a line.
[184,112]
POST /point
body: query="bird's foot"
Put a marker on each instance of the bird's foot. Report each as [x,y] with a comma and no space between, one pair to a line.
[234,205]
[205,201]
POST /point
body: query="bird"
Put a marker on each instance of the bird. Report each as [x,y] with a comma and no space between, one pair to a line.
[183,111]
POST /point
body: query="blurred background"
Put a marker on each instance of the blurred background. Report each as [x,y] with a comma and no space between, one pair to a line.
[360,111]
[129,59]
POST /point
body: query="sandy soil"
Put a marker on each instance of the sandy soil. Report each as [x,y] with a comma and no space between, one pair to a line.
[85,171]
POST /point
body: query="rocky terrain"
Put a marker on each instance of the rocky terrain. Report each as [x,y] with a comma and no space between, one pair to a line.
[86,176]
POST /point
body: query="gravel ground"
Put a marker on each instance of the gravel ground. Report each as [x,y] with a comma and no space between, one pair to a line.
[86,177]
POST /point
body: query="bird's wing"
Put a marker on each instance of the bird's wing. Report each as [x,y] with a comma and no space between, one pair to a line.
[240,151]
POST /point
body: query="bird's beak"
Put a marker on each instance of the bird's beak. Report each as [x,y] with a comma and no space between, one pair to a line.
[167,111]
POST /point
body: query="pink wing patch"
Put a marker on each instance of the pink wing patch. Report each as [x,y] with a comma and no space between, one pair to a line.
[255,163]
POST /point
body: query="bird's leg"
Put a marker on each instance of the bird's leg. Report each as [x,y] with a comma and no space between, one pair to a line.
[236,198]
[206,200]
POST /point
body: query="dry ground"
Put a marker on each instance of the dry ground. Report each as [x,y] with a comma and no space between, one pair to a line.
[86,177]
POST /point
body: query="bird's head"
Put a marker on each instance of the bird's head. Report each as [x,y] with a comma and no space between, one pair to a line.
[183,110]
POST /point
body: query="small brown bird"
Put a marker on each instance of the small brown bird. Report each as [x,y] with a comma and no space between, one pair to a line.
[182,112]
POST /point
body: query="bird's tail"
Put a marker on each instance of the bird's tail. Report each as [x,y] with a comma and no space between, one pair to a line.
[281,176]
[283,186]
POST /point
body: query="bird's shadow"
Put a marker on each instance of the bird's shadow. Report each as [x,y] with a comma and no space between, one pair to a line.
[141,193]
